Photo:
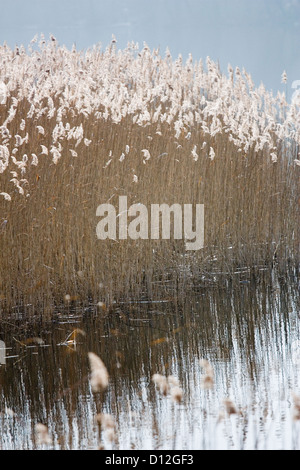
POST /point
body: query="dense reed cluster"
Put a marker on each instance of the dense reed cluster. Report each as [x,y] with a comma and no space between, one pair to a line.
[79,129]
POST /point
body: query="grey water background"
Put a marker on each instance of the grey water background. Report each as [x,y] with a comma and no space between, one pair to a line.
[260,35]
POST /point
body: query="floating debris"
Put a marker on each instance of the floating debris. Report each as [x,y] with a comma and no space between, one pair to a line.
[30,341]
[71,339]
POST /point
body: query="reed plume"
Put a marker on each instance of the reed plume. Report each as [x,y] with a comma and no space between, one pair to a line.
[99,375]
[167,385]
[207,380]
[161,382]
[42,434]
[296,407]
[229,406]
[107,423]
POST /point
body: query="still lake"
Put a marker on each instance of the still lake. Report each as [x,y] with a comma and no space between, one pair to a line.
[250,337]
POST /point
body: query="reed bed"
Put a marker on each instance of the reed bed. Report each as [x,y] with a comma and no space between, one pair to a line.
[79,129]
[221,372]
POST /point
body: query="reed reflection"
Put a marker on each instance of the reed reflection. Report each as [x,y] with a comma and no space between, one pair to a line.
[218,347]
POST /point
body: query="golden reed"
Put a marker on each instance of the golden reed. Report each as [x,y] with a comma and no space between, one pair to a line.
[81,129]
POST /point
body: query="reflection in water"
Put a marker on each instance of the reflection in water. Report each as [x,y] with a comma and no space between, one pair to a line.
[2,353]
[248,339]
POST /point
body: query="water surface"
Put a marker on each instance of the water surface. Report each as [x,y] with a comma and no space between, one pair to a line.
[249,336]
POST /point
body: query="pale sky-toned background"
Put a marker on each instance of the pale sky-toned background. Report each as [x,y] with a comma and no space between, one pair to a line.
[261,35]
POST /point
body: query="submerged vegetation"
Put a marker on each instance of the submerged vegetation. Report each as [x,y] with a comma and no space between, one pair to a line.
[79,129]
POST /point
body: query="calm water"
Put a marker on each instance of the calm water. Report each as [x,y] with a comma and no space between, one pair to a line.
[251,339]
